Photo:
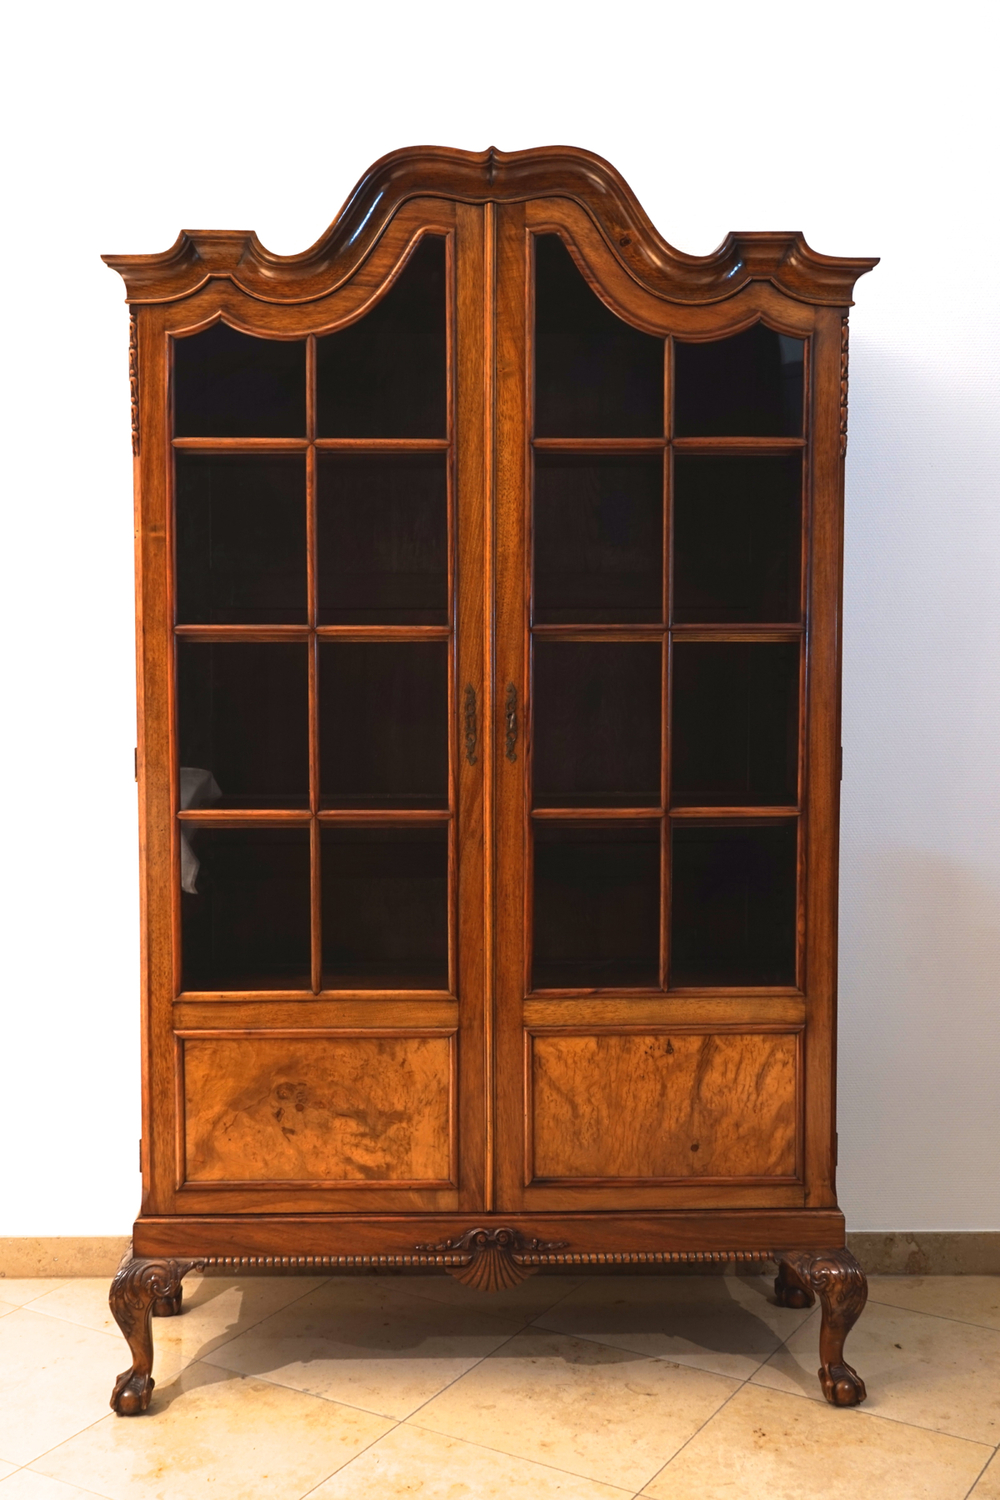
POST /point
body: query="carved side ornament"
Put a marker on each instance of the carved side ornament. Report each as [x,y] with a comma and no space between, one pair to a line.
[133,379]
[843,386]
[491,1259]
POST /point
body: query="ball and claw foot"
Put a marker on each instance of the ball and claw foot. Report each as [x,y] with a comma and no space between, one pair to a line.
[839,1282]
[140,1290]
[132,1393]
[842,1385]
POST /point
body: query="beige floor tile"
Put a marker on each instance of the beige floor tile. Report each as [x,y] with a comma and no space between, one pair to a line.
[764,1445]
[368,1344]
[55,1379]
[988,1487]
[7,1307]
[21,1289]
[427,1466]
[27,1484]
[523,1302]
[925,1370]
[216,1309]
[6,1469]
[212,1434]
[970,1299]
[580,1406]
[727,1324]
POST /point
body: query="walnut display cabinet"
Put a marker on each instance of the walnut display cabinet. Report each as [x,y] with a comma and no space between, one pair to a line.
[488,561]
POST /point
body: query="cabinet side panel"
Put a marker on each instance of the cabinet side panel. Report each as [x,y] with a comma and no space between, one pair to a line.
[154,621]
[822,795]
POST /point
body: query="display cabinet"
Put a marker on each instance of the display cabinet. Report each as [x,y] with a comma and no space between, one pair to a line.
[488,560]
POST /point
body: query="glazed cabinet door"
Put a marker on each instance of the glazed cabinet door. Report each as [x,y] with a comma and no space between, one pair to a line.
[312,515]
[651,949]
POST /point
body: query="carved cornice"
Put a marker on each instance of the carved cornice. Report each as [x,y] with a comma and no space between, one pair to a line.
[500,177]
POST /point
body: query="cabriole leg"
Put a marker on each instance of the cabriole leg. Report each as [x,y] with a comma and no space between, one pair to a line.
[140,1289]
[839,1282]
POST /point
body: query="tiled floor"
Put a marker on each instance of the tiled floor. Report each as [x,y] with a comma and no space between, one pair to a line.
[585,1388]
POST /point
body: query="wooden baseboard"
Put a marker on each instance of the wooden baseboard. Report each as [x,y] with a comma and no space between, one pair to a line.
[974,1252]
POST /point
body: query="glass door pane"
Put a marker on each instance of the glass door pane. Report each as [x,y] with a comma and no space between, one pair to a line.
[314,648]
[596,706]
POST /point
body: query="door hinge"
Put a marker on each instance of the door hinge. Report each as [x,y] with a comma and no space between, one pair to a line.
[836,1148]
[135,761]
[840,762]
[140,1153]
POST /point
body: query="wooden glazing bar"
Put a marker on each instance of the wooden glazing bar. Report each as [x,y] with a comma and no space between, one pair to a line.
[384,632]
[311,387]
[383,445]
[737,632]
[384,815]
[738,446]
[734,812]
[315,909]
[589,814]
[221,633]
[231,817]
[598,445]
[242,444]
[600,632]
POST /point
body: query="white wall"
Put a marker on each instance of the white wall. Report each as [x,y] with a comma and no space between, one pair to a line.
[868,126]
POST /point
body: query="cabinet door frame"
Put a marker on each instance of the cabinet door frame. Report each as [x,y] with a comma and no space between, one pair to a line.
[456,1016]
[804,1011]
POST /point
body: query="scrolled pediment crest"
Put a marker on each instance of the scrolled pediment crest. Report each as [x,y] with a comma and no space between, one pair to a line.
[197,256]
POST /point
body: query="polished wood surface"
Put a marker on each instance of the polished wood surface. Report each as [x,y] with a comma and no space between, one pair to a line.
[615,1110]
[318,1108]
[649,1105]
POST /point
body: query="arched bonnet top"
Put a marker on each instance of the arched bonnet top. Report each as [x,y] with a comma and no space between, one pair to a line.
[491,176]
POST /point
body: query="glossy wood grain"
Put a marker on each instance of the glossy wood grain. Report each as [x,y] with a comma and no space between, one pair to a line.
[314,1108]
[655,1105]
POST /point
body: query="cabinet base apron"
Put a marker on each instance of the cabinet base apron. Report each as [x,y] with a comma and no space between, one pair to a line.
[490,1254]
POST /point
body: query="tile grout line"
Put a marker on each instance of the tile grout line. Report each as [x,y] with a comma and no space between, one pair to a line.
[519,1458]
[711,1418]
[980,1474]
[27,1469]
[942,1317]
[313,1488]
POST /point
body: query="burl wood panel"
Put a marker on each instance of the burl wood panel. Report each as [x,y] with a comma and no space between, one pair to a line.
[362,1109]
[654,1105]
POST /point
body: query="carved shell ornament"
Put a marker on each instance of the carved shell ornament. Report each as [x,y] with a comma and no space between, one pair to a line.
[492,1258]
